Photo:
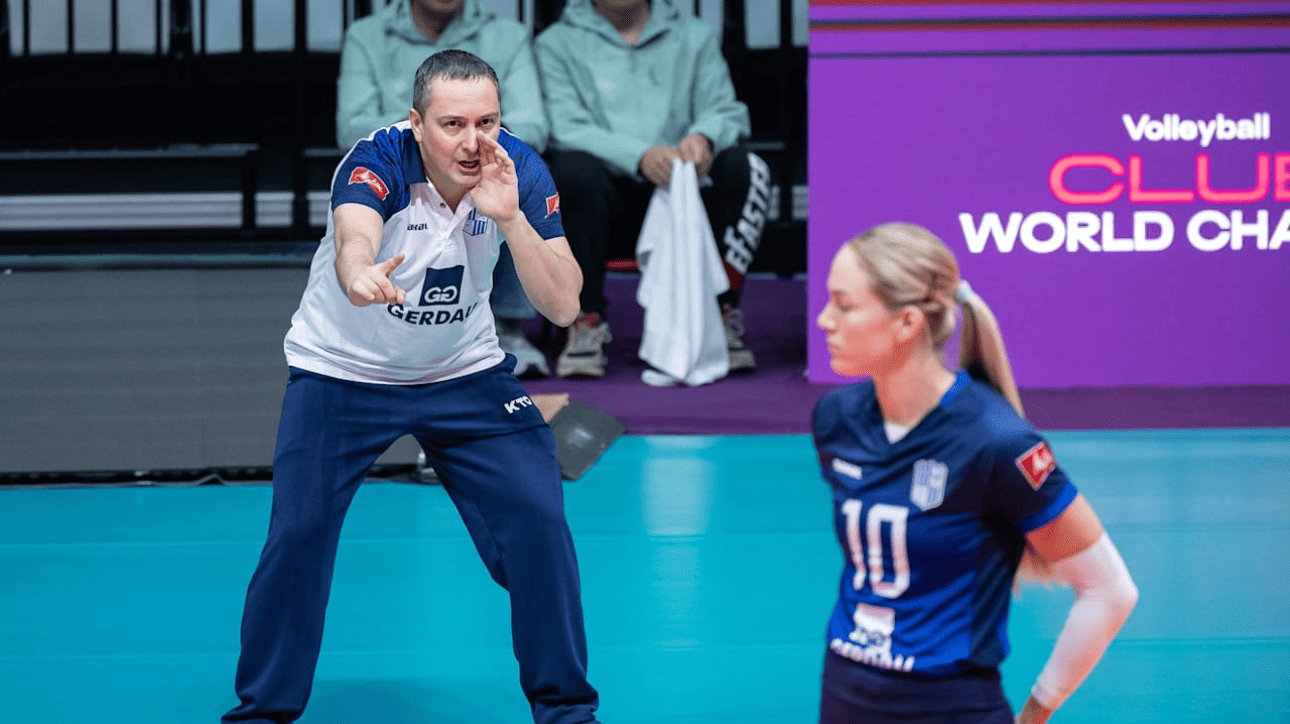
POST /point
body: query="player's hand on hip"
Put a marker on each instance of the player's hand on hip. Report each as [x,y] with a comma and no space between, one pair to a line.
[1032,712]
[497,195]
[372,285]
[696,149]
[656,164]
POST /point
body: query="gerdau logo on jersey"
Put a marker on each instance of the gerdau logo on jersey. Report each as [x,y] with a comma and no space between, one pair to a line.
[442,286]
[870,642]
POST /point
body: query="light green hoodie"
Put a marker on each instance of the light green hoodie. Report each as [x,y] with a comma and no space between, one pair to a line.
[382,52]
[616,101]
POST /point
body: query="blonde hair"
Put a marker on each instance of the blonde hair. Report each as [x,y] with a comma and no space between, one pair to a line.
[908,265]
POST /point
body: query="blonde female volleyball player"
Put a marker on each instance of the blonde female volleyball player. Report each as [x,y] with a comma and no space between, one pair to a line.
[941,490]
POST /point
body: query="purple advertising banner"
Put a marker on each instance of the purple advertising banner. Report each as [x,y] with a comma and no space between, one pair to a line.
[1126,216]
[863,10]
[933,27]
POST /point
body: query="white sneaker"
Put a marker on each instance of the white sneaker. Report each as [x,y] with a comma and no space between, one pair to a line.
[655,378]
[529,360]
[741,358]
[584,352]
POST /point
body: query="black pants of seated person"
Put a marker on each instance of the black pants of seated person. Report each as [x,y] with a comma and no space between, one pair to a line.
[603,210]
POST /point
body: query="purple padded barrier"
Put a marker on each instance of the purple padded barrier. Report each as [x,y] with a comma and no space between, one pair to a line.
[777,399]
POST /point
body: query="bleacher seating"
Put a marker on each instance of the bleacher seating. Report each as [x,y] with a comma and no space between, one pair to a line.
[183,144]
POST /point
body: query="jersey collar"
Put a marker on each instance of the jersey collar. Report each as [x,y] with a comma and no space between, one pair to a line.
[413,170]
[961,379]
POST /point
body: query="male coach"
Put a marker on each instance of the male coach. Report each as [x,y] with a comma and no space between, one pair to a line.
[394,336]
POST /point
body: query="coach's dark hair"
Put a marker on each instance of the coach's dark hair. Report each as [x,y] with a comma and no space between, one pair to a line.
[449,65]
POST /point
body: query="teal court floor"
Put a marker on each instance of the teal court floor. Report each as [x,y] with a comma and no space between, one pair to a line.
[708,569]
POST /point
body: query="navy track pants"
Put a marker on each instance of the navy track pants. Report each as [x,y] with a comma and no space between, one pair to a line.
[494,455]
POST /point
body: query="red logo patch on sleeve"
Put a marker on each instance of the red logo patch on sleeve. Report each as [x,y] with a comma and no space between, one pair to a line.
[552,204]
[361,175]
[1036,464]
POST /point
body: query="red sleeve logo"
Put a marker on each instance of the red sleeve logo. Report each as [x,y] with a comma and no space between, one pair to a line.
[552,204]
[361,175]
[1036,464]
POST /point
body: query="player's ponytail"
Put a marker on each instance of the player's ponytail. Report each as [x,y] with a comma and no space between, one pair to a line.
[981,350]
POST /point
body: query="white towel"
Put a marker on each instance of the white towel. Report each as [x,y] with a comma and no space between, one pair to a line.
[681,276]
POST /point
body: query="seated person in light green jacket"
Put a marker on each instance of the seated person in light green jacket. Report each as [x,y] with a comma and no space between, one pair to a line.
[630,86]
[378,61]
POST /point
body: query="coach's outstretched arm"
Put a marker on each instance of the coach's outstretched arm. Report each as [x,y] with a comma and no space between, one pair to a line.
[546,267]
[358,239]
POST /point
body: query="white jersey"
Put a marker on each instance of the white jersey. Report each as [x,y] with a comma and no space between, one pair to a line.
[444,329]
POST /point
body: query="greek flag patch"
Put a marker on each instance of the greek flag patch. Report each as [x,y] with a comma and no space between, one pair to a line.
[475,223]
[928,488]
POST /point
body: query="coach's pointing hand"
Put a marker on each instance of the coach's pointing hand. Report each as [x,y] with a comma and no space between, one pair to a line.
[358,239]
[372,285]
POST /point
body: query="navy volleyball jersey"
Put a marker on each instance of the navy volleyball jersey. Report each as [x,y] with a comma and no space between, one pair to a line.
[933,526]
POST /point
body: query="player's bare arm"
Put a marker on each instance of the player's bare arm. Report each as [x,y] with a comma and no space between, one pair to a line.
[1074,530]
[546,267]
[1081,555]
[358,238]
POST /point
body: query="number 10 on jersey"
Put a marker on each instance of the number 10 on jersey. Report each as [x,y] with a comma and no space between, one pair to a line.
[870,564]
